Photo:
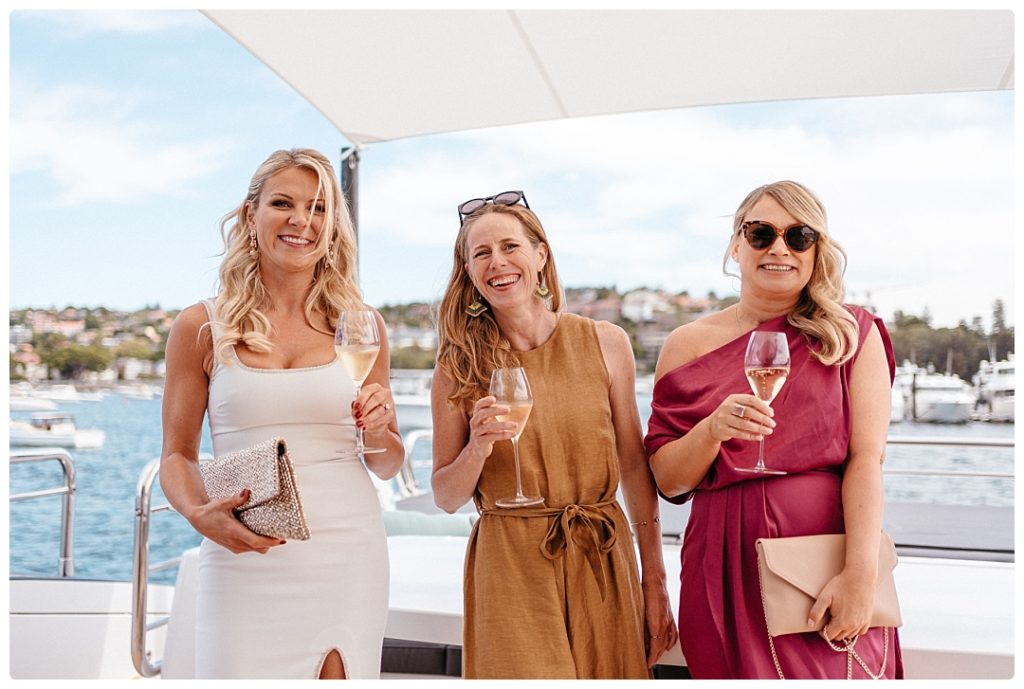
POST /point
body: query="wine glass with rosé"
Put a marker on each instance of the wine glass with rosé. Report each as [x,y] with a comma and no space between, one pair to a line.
[357,342]
[511,389]
[766,364]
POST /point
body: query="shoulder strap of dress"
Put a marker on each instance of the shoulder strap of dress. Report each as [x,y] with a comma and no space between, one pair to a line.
[215,329]
[209,305]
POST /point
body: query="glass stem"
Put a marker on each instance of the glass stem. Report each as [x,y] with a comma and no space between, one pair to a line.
[360,446]
[519,477]
[760,454]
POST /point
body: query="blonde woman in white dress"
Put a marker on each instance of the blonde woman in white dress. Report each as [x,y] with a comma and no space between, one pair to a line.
[260,360]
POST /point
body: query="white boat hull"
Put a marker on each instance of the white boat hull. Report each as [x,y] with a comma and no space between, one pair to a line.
[1000,409]
[23,435]
[944,411]
[32,404]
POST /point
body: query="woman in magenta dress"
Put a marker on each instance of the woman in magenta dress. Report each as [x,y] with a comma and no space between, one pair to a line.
[826,428]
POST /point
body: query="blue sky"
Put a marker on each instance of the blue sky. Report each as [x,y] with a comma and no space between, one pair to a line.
[133,133]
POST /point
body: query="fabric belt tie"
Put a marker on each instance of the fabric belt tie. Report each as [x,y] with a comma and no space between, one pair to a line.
[585,527]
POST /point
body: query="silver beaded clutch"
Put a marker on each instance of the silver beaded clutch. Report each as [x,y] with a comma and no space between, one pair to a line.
[274,508]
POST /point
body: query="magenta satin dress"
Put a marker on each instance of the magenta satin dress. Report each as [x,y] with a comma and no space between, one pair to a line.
[722,630]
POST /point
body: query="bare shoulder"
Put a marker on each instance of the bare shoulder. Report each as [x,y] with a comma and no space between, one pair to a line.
[611,336]
[191,320]
[687,342]
[441,383]
[617,351]
[190,334]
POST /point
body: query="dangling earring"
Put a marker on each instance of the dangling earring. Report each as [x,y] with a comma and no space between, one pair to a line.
[252,242]
[330,253]
[476,308]
[542,290]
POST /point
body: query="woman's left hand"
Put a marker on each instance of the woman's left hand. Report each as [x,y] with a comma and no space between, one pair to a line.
[374,408]
[846,604]
[659,622]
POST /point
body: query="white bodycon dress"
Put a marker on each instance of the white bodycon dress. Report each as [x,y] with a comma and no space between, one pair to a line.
[278,615]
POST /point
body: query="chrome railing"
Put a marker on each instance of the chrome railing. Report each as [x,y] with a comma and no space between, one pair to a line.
[141,569]
[940,441]
[65,561]
[408,486]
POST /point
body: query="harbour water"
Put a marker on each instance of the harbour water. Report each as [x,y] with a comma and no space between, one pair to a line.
[107,480]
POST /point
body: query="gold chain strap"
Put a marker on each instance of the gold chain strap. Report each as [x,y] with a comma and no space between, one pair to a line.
[851,654]
[848,647]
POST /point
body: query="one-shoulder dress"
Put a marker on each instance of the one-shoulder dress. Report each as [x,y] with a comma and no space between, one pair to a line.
[722,630]
[553,591]
[278,615]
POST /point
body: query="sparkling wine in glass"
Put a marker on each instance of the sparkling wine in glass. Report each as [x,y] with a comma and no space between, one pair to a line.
[357,342]
[767,366]
[510,387]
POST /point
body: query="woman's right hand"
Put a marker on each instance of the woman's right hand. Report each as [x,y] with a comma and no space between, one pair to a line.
[741,416]
[217,521]
[485,429]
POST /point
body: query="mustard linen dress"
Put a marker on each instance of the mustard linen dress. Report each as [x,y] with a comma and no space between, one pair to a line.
[553,591]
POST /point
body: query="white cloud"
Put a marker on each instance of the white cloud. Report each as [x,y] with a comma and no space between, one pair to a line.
[84,23]
[88,140]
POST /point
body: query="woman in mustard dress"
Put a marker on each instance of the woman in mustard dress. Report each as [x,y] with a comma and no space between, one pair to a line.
[552,590]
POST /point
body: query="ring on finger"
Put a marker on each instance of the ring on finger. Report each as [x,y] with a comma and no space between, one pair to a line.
[387,406]
[739,410]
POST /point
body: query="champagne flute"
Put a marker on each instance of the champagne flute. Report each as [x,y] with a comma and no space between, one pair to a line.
[767,366]
[510,387]
[357,342]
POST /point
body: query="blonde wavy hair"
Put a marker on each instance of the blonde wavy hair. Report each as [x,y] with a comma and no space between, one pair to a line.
[819,312]
[469,349]
[242,297]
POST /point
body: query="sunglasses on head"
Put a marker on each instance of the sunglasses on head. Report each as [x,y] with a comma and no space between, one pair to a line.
[505,198]
[761,235]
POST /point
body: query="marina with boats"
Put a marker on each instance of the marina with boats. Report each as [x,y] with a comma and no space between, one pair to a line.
[922,394]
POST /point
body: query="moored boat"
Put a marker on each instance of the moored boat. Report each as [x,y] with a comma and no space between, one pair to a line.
[66,392]
[139,391]
[32,404]
[54,429]
[934,397]
[995,385]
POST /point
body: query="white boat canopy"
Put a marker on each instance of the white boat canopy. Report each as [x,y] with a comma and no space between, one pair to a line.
[459,70]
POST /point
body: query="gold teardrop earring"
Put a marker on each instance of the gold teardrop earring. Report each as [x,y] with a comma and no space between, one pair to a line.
[476,308]
[330,253]
[253,250]
[542,290]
